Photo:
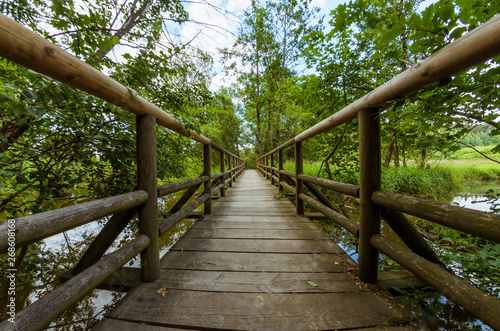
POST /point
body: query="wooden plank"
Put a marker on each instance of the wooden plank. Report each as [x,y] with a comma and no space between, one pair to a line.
[107,324]
[249,198]
[256,234]
[122,325]
[254,225]
[254,310]
[260,219]
[257,246]
[256,208]
[253,204]
[254,282]
[261,213]
[222,261]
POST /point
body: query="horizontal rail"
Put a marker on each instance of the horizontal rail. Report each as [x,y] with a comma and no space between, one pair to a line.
[40,313]
[170,221]
[288,187]
[288,173]
[220,174]
[478,223]
[35,227]
[349,189]
[472,49]
[340,219]
[483,306]
[220,149]
[286,144]
[22,46]
[178,186]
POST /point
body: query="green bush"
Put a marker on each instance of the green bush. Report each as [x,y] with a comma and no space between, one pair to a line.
[429,183]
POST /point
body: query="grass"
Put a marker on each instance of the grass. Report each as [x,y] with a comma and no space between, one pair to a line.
[439,179]
[428,183]
[472,169]
[470,154]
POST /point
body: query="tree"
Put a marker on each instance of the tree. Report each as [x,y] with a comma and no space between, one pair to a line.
[270,40]
[372,41]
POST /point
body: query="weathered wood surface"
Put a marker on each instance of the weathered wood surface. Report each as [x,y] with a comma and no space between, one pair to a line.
[247,266]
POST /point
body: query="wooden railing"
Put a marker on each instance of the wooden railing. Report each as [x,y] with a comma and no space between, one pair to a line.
[24,47]
[472,49]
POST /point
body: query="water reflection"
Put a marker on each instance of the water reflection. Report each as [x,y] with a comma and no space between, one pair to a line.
[430,310]
[48,259]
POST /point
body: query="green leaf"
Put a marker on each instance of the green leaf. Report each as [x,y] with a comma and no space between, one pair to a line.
[313,284]
[391,34]
[5,97]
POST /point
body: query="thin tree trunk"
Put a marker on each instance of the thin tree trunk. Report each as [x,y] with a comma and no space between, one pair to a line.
[130,23]
[388,155]
[424,155]
[396,152]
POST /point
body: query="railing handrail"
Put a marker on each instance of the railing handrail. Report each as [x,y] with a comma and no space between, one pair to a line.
[22,46]
[471,49]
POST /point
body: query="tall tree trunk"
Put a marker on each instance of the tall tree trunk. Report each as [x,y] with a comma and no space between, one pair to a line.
[257,104]
[396,152]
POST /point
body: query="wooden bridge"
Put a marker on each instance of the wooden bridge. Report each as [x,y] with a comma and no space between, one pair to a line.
[248,266]
[252,262]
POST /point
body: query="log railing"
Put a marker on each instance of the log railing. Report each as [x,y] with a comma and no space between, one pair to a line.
[24,47]
[472,49]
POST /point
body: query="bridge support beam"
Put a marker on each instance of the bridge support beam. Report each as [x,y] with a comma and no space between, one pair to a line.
[369,182]
[146,180]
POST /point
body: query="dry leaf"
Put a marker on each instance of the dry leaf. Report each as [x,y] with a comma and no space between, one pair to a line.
[163,292]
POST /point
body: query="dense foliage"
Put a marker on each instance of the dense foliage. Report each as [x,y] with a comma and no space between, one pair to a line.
[44,122]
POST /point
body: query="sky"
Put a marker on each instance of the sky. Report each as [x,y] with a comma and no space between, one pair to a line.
[223,19]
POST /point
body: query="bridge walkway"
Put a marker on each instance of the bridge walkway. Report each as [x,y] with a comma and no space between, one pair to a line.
[252,264]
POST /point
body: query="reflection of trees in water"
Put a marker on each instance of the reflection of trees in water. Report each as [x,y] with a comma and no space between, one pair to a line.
[43,264]
[39,272]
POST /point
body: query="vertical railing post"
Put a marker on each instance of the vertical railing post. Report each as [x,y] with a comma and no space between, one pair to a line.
[230,167]
[235,169]
[267,167]
[299,184]
[207,171]
[272,165]
[146,180]
[222,169]
[369,182]
[280,167]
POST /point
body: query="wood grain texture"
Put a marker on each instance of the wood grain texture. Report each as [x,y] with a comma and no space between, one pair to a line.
[251,268]
[263,262]
[253,234]
[255,225]
[257,246]
[254,282]
[255,310]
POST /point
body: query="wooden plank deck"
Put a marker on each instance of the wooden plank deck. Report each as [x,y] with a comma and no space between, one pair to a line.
[247,266]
